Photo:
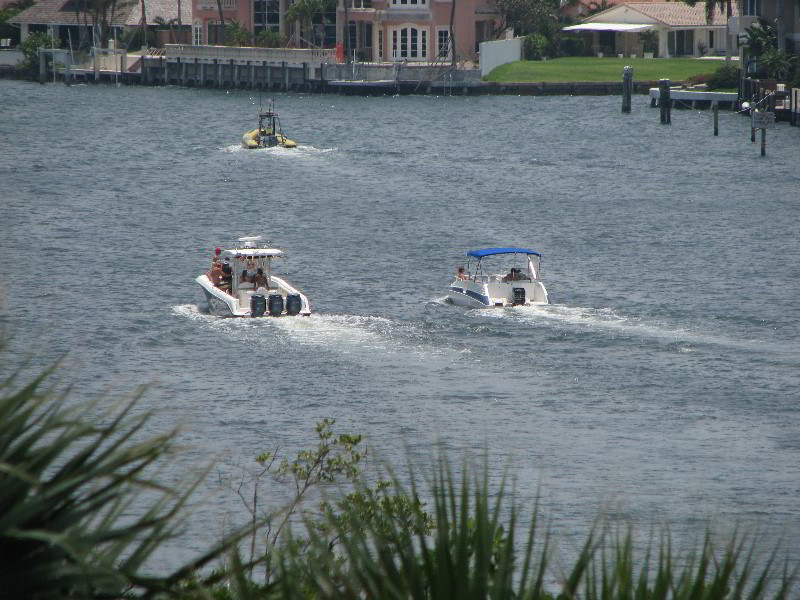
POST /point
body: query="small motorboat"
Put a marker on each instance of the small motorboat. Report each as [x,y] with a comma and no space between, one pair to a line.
[268,134]
[241,284]
[480,288]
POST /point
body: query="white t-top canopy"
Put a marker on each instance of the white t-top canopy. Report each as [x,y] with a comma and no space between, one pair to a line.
[623,27]
[253,252]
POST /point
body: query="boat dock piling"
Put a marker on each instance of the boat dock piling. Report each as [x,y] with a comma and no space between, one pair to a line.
[664,102]
[627,88]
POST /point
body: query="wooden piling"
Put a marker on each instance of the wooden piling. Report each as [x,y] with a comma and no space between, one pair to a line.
[664,102]
[715,105]
[67,70]
[269,75]
[219,72]
[165,69]
[285,74]
[252,74]
[627,88]
[763,141]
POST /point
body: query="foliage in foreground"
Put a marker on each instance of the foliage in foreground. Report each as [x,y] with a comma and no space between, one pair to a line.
[81,512]
[80,509]
[475,552]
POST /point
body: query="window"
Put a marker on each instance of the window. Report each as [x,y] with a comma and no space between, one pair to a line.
[409,43]
[367,35]
[680,43]
[443,42]
[197,33]
[710,40]
[380,43]
[215,34]
[266,16]
[409,3]
[751,8]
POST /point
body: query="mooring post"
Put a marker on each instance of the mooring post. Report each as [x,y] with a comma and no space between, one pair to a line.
[753,104]
[664,101]
[42,66]
[269,75]
[322,76]
[763,141]
[219,72]
[627,88]
[285,72]
[67,69]
[715,105]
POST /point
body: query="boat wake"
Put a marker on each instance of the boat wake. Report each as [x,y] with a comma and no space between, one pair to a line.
[607,320]
[347,334]
[302,151]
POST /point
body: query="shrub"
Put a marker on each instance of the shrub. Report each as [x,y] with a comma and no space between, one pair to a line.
[724,77]
[30,49]
[698,79]
[270,39]
[536,46]
[572,46]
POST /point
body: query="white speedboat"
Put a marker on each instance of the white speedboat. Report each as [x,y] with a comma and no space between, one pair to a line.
[480,288]
[241,284]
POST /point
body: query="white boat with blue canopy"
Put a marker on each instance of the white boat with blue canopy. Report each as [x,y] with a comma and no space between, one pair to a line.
[485,287]
[241,283]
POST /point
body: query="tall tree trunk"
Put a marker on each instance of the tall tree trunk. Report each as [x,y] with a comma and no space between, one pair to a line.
[728,38]
[452,33]
[221,42]
[346,34]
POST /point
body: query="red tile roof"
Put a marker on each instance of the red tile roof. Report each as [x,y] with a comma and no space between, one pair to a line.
[128,12]
[680,14]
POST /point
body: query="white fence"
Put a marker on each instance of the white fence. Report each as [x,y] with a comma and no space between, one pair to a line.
[494,54]
[208,54]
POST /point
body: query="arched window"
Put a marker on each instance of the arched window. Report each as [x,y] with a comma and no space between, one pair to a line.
[197,33]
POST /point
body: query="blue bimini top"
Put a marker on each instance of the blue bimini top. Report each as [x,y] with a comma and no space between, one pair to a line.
[491,251]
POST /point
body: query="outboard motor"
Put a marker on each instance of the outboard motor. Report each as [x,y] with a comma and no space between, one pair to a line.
[519,296]
[258,305]
[275,303]
[294,304]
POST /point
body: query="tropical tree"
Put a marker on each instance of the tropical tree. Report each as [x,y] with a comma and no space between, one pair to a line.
[81,509]
[304,11]
[237,34]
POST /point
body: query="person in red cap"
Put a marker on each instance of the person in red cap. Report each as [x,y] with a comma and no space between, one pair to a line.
[215,258]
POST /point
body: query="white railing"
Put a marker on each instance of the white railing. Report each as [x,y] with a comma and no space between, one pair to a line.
[189,53]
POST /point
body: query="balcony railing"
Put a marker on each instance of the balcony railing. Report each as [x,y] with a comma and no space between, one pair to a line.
[241,55]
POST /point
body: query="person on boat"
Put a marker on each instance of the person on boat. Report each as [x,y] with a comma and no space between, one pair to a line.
[245,277]
[215,258]
[227,276]
[512,276]
[461,274]
[260,280]
[215,275]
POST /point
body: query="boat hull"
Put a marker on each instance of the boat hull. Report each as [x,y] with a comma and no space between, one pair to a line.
[497,294]
[222,304]
[250,142]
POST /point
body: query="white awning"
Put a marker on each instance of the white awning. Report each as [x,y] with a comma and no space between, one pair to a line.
[622,27]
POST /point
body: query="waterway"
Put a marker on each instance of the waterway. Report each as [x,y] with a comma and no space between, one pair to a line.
[660,387]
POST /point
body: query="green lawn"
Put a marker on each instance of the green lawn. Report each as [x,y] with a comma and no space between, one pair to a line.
[584,68]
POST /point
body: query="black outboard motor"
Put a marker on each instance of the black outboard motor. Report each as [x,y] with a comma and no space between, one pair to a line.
[294,304]
[258,305]
[519,296]
[275,303]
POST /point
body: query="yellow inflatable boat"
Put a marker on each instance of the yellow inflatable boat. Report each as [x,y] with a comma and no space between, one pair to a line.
[264,138]
[268,134]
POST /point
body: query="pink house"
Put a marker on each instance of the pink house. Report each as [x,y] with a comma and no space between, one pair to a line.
[379,30]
